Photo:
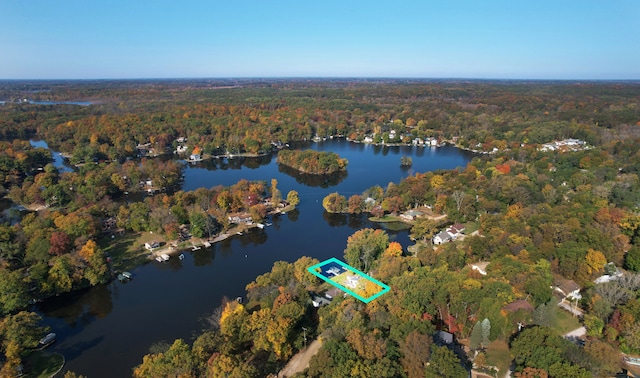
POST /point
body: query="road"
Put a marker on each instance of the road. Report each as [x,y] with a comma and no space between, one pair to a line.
[300,361]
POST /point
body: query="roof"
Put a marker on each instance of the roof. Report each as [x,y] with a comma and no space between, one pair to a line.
[567,286]
[443,235]
[521,304]
[445,337]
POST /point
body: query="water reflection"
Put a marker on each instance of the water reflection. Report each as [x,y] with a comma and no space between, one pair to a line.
[323,181]
[80,308]
[238,162]
[204,256]
[335,220]
[293,215]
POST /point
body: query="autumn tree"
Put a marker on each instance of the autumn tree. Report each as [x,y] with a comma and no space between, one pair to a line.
[178,361]
[97,270]
[335,203]
[415,349]
[292,198]
[393,250]
[364,246]
[59,243]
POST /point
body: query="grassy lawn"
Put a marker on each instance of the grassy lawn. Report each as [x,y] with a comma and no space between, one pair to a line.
[470,227]
[360,289]
[127,251]
[566,322]
[498,356]
[386,218]
[43,364]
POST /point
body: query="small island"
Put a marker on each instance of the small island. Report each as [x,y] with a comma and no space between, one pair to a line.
[312,162]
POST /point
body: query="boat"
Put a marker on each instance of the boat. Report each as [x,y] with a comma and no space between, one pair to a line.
[181,257]
[260,225]
[159,259]
[207,244]
[268,224]
[47,340]
[165,257]
[127,275]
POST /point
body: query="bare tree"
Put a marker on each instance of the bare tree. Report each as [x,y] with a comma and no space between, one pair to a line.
[459,196]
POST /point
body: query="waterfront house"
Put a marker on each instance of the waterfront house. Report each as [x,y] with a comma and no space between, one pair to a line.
[352,281]
[240,218]
[152,245]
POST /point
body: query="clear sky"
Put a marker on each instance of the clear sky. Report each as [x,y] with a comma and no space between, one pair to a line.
[540,39]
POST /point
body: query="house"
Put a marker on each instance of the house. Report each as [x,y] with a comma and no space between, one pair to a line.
[520,304]
[442,237]
[480,267]
[450,234]
[457,228]
[240,218]
[319,301]
[410,215]
[568,289]
[352,281]
[443,337]
[332,293]
[611,272]
[152,244]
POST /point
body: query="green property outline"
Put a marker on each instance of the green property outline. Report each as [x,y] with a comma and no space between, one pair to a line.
[385,288]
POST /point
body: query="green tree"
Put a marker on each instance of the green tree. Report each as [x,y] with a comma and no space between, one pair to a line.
[61,274]
[424,229]
[549,350]
[198,224]
[632,259]
[14,291]
[20,332]
[178,361]
[293,198]
[443,363]
[364,246]
[475,340]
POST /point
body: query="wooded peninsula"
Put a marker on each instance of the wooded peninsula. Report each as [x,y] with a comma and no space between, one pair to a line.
[537,236]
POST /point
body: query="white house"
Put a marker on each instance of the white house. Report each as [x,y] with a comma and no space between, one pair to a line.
[352,281]
[442,237]
[152,244]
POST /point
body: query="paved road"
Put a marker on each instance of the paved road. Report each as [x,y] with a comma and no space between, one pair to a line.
[576,333]
[300,361]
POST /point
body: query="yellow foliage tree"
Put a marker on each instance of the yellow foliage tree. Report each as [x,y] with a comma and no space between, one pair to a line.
[595,261]
[394,249]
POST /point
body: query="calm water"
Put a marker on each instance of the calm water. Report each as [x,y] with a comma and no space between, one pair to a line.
[105,331]
[58,161]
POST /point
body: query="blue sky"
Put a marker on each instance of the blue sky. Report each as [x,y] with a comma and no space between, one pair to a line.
[559,39]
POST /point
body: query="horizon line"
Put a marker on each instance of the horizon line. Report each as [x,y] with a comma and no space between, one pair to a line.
[395,78]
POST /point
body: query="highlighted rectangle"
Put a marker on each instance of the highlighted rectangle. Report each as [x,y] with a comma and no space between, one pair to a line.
[349,279]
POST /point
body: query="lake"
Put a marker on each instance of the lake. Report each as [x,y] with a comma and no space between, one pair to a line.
[106,330]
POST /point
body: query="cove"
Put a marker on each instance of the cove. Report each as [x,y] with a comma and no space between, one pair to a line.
[105,331]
